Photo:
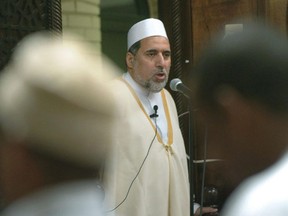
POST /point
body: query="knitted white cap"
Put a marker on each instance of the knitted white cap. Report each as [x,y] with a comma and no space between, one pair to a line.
[145,28]
[55,98]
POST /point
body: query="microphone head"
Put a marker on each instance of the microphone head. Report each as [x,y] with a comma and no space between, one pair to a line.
[155,108]
[173,84]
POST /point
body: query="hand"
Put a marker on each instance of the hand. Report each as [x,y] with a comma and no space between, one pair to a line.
[206,210]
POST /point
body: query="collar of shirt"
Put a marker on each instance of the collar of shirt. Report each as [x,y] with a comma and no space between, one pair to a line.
[148,100]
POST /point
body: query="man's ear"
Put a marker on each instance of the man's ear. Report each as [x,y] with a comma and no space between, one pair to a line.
[226,97]
[129,59]
[235,107]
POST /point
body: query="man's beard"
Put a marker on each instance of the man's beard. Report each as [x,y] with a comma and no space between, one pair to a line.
[151,85]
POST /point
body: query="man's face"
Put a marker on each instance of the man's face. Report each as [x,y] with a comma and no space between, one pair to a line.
[150,66]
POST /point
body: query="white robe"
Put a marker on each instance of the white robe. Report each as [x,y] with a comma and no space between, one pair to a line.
[264,194]
[79,198]
[162,185]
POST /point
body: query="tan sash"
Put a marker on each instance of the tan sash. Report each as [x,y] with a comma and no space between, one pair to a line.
[167,114]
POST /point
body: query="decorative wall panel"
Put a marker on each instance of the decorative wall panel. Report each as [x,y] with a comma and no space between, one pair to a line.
[19,18]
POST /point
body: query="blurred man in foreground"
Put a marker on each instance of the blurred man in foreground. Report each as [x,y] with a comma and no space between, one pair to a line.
[241,93]
[55,118]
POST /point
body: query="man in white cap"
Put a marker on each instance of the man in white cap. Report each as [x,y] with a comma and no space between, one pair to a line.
[148,170]
[55,121]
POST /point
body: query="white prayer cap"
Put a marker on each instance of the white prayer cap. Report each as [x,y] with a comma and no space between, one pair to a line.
[54,96]
[145,28]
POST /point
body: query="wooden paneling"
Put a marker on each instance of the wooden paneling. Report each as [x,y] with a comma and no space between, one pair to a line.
[210,16]
[201,20]
[275,13]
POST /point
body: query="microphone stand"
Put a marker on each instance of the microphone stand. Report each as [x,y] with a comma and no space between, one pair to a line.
[190,153]
[177,85]
[191,157]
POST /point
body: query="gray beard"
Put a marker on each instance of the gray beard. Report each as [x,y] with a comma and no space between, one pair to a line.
[150,85]
[154,86]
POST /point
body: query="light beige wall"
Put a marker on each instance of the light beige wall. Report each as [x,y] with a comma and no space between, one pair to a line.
[82,18]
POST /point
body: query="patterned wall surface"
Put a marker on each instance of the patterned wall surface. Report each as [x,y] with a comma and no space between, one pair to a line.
[19,18]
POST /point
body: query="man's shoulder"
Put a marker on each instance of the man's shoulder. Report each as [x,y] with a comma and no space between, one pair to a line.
[168,95]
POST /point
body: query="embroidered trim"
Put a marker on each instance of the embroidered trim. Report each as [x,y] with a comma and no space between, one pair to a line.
[167,114]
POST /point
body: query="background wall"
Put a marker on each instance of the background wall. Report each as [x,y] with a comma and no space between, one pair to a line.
[104,23]
[82,17]
[117,16]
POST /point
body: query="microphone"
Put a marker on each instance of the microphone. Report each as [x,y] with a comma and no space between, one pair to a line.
[155,112]
[177,85]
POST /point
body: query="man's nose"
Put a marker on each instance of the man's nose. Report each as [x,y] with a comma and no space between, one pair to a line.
[160,60]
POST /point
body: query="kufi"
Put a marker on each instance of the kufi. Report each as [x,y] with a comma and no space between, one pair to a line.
[55,97]
[145,28]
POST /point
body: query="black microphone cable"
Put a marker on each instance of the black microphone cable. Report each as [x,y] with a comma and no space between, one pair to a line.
[154,115]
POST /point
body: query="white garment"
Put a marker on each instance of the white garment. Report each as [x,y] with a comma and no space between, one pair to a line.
[149,100]
[265,194]
[74,199]
[162,186]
